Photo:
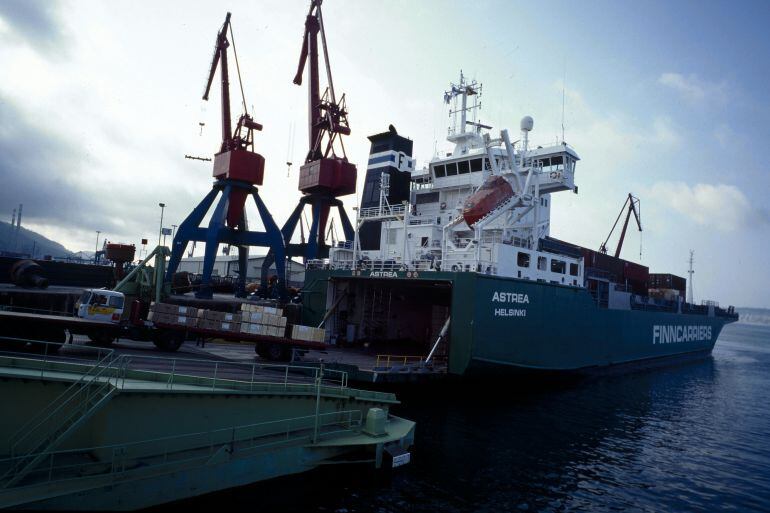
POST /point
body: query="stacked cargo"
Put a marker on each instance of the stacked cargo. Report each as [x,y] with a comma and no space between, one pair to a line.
[667,286]
[668,281]
[219,321]
[164,313]
[633,275]
[308,333]
[262,320]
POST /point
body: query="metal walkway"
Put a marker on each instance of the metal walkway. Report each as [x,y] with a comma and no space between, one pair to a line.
[41,464]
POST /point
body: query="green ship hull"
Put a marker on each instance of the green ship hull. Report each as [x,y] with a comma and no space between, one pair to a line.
[522,325]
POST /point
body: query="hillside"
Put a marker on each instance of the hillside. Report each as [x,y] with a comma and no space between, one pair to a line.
[29,241]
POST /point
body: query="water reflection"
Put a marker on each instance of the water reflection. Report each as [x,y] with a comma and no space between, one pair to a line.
[684,437]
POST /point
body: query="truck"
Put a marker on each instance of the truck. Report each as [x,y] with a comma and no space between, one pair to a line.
[105,315]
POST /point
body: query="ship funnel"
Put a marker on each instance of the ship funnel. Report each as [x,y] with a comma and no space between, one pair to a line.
[527,124]
[390,153]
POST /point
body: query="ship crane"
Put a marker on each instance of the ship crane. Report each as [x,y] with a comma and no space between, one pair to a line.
[633,205]
[326,174]
[238,169]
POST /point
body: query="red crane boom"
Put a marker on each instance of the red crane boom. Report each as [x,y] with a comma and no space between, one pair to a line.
[633,206]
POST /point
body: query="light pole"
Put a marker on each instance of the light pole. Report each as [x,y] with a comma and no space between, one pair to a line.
[160,230]
[173,231]
[96,248]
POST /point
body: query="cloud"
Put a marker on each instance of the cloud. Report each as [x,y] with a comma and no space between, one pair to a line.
[40,169]
[693,89]
[722,206]
[35,22]
[606,138]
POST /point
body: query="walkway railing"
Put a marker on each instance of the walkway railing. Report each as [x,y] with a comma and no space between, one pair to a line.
[179,450]
[32,449]
[217,375]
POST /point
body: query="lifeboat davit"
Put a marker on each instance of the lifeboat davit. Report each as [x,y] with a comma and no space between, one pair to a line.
[495,191]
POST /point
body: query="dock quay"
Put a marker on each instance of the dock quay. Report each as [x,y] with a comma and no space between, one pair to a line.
[101,430]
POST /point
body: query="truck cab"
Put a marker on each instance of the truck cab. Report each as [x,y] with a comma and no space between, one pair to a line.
[101,305]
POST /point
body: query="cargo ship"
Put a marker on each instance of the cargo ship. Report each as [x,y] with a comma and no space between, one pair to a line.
[455,262]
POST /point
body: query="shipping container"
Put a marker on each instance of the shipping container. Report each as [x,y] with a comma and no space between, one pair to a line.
[668,281]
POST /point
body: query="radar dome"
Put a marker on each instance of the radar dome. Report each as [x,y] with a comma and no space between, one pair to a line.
[527,123]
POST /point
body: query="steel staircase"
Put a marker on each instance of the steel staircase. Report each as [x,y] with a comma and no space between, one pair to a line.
[62,417]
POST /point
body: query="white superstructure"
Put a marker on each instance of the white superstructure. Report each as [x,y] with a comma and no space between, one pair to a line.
[431,231]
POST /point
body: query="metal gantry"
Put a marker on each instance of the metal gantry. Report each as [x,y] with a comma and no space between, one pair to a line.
[325,175]
[237,172]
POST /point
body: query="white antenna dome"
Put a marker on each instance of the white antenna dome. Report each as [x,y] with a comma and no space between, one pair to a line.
[527,123]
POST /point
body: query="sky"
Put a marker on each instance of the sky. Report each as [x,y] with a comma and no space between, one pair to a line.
[100,101]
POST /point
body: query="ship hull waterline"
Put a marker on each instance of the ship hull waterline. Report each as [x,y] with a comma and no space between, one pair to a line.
[518,325]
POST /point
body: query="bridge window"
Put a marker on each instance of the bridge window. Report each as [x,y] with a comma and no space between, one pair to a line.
[522,259]
[573,269]
[451,169]
[476,165]
[429,197]
[463,167]
[541,263]
[558,266]
[440,171]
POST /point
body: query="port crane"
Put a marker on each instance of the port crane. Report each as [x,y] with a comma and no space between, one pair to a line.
[238,169]
[326,174]
[633,205]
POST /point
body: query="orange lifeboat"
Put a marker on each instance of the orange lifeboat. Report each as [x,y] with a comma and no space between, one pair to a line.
[490,195]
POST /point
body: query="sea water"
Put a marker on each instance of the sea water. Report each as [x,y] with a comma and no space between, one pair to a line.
[692,436]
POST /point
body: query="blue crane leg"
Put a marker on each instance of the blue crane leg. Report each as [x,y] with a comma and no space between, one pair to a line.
[291,223]
[347,227]
[275,242]
[243,260]
[286,232]
[311,251]
[188,231]
[216,224]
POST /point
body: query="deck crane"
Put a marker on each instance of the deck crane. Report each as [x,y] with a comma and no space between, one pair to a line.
[633,204]
[326,174]
[238,169]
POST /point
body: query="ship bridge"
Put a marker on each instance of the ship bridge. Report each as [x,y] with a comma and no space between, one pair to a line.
[556,167]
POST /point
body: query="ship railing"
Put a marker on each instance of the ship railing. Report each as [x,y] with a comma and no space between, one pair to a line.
[178,451]
[316,263]
[470,266]
[383,211]
[691,309]
[728,312]
[391,362]
[650,304]
[345,264]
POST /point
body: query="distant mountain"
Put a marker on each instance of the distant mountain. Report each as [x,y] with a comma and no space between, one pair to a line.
[30,243]
[754,315]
